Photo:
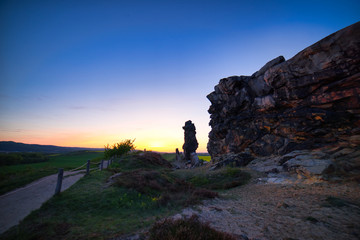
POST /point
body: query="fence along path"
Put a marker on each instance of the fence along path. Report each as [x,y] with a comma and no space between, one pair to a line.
[17,204]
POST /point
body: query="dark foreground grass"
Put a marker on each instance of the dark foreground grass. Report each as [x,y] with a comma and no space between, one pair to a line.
[190,228]
[100,207]
[15,176]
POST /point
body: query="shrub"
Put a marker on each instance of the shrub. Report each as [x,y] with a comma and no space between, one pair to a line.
[21,158]
[147,160]
[190,228]
[119,149]
[10,159]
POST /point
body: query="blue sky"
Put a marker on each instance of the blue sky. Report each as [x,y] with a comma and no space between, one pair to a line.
[88,73]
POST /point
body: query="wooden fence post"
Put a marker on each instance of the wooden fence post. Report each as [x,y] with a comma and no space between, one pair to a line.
[101,165]
[108,163]
[88,167]
[59,181]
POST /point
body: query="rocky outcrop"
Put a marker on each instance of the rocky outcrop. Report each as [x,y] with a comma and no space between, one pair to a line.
[190,142]
[307,102]
[234,160]
[329,163]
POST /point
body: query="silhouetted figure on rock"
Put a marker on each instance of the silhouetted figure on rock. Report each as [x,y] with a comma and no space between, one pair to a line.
[191,144]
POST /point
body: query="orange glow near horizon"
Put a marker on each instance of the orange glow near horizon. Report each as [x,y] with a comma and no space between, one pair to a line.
[159,144]
[87,129]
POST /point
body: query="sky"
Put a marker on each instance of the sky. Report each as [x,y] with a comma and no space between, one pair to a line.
[91,73]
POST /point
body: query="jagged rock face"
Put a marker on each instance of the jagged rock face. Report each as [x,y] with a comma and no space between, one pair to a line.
[309,101]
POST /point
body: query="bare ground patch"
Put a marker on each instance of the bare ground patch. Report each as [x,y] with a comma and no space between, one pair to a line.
[320,210]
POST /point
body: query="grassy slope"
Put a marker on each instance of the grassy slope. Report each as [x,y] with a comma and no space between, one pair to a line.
[12,177]
[90,210]
[169,156]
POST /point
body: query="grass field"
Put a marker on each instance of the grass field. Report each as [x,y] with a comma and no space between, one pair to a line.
[169,156]
[205,158]
[15,176]
[146,191]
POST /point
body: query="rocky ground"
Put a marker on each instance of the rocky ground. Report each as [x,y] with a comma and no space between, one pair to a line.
[285,209]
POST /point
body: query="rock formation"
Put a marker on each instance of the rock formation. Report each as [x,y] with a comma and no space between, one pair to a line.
[307,102]
[178,157]
[191,144]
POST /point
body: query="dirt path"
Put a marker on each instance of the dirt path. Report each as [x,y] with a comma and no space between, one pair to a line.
[262,210]
[17,204]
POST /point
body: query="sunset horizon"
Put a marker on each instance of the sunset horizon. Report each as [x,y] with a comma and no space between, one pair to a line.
[158,120]
[156,146]
[91,74]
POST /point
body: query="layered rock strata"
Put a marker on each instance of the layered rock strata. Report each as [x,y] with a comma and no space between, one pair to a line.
[307,102]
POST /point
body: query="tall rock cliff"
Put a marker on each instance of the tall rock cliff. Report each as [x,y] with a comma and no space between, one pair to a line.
[309,101]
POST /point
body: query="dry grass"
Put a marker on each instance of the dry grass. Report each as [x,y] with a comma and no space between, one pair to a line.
[224,178]
[147,160]
[163,187]
[189,229]
[149,174]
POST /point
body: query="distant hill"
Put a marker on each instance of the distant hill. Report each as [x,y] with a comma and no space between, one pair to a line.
[9,146]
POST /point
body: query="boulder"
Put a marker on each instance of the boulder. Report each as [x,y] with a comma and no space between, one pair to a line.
[308,166]
[195,161]
[233,160]
[327,163]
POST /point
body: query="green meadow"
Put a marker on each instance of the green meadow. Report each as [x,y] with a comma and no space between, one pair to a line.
[15,176]
[205,158]
[145,190]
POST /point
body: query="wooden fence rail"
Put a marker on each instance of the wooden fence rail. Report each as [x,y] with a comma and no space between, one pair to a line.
[59,181]
[88,169]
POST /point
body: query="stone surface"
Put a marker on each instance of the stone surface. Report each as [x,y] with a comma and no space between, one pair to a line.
[307,166]
[309,101]
[195,161]
[190,144]
[231,159]
[327,163]
[178,156]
